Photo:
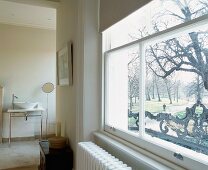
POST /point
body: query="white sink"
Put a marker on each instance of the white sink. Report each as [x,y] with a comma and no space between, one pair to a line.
[25,105]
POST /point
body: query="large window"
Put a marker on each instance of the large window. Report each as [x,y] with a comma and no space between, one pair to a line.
[156,78]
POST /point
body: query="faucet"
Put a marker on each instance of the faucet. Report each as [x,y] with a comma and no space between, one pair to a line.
[13,97]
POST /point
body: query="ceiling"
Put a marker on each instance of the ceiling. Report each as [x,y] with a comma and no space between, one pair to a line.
[30,14]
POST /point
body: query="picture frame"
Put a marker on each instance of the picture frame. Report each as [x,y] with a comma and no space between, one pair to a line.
[65,65]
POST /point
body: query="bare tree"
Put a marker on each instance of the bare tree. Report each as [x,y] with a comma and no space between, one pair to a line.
[169,89]
[148,90]
[188,53]
[153,87]
[196,88]
[176,90]
[148,87]
[133,76]
[157,82]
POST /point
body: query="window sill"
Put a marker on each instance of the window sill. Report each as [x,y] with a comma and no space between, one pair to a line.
[132,155]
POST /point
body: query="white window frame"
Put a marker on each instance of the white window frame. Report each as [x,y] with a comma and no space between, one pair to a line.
[158,147]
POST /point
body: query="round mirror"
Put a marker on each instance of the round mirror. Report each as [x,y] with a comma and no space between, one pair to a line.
[48,87]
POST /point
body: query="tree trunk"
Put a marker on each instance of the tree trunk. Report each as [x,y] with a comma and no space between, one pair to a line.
[131,103]
[153,89]
[206,80]
[148,96]
[157,89]
[174,95]
[169,96]
[198,89]
[168,91]
[177,93]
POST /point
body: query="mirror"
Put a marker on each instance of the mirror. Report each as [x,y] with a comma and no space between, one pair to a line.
[48,87]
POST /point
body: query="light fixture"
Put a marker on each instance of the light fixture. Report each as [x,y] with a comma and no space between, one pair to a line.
[47,88]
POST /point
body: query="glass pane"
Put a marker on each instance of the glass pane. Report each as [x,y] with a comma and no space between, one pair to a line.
[154,17]
[122,88]
[177,90]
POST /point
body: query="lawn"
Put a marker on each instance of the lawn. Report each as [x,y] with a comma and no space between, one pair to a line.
[156,106]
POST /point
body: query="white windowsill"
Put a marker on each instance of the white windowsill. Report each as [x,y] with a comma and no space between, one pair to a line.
[135,152]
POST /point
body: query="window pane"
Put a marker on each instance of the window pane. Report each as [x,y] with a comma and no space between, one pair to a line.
[156,16]
[122,88]
[177,90]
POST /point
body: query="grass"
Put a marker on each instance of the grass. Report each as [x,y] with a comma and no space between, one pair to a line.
[156,106]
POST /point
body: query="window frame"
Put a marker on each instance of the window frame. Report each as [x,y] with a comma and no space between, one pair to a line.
[140,140]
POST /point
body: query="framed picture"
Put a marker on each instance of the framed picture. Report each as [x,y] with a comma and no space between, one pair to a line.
[65,65]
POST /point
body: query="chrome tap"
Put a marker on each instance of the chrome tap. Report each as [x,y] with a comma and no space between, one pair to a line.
[13,97]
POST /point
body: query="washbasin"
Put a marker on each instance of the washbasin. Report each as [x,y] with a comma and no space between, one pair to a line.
[25,105]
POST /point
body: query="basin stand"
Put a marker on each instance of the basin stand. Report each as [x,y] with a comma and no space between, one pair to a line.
[26,114]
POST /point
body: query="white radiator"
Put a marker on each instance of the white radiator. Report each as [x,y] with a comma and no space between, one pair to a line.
[92,157]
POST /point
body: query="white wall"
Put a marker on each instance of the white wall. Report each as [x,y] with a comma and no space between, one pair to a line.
[78,106]
[92,70]
[27,61]
[66,95]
